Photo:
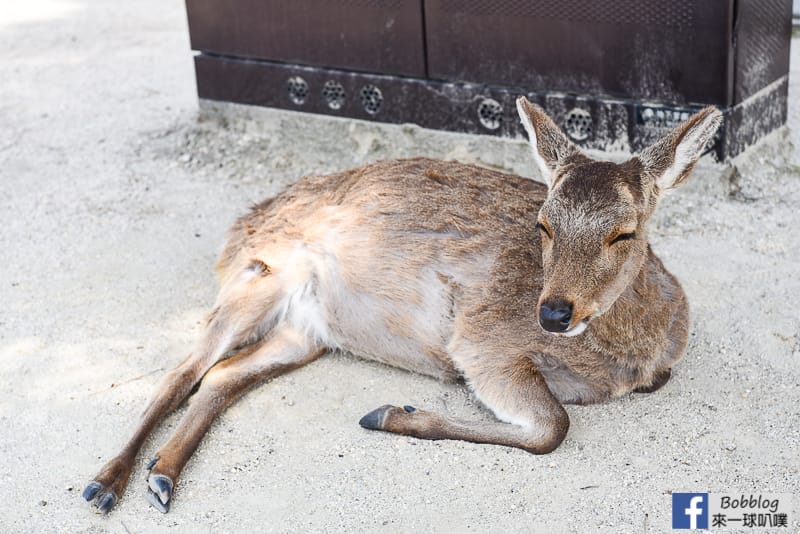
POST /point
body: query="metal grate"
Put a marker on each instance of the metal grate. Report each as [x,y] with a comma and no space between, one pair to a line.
[372,4]
[371,99]
[578,124]
[673,13]
[662,117]
[490,113]
[297,88]
[333,94]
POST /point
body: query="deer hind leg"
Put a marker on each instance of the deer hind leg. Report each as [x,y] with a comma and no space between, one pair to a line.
[283,351]
[531,418]
[237,318]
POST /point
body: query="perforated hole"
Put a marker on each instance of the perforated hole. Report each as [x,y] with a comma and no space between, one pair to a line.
[490,113]
[334,94]
[578,124]
[298,89]
[371,99]
[662,118]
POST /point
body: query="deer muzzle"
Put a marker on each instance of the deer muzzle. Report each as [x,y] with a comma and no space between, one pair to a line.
[555,316]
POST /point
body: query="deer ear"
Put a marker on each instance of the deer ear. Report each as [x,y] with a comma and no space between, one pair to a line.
[550,146]
[670,160]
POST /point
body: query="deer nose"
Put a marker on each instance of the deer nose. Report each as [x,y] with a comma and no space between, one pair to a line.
[555,316]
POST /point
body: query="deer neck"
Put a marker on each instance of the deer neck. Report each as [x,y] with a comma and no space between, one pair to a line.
[638,322]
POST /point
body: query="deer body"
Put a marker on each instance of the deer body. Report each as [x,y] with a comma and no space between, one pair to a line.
[359,271]
[536,295]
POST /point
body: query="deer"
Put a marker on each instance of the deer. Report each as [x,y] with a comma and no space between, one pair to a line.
[535,294]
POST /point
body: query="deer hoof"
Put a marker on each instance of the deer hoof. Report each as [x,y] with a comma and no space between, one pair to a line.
[159,492]
[374,419]
[107,502]
[91,491]
[104,500]
[659,380]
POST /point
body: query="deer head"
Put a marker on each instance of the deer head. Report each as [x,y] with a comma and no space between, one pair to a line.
[593,222]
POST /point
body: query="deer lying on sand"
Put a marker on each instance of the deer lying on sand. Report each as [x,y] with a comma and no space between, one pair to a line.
[535,295]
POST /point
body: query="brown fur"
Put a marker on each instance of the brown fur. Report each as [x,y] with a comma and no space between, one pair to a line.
[438,268]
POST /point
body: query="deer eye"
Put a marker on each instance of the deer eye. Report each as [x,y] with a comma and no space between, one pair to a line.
[543,228]
[623,237]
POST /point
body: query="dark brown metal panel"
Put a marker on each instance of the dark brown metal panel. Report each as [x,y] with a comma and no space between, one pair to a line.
[591,122]
[762,38]
[614,74]
[383,36]
[461,107]
[675,51]
[364,96]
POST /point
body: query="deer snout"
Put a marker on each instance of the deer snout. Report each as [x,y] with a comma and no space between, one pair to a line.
[555,316]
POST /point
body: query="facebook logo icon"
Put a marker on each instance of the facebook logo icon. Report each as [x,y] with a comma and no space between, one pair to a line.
[690,510]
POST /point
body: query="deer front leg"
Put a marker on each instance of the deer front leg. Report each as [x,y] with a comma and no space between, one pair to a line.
[225,382]
[513,389]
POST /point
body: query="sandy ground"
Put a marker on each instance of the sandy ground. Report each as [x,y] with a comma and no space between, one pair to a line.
[116,194]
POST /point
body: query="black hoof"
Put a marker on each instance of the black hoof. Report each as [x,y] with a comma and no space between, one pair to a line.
[153,499]
[91,491]
[104,500]
[159,492]
[409,409]
[107,502]
[152,463]
[658,382]
[374,419]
